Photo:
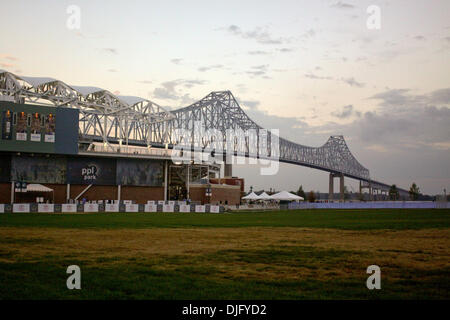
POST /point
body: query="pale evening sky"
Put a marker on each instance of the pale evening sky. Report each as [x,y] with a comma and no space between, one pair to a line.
[309,68]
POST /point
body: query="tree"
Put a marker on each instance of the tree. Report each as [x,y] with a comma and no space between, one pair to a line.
[393,192]
[346,193]
[361,196]
[301,193]
[414,192]
[311,196]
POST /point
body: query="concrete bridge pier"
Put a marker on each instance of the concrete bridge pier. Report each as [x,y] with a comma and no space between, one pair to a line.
[331,185]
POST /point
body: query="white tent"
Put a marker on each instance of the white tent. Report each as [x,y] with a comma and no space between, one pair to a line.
[265,196]
[251,196]
[284,195]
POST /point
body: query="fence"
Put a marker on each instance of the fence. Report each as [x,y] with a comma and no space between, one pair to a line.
[369,205]
[171,206]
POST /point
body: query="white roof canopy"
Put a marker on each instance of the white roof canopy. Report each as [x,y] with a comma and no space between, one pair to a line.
[84,90]
[284,195]
[37,81]
[35,187]
[131,100]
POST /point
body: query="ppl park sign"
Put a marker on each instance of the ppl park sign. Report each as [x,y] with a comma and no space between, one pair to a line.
[90,173]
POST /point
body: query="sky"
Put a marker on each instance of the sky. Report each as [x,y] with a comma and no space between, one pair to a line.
[308,68]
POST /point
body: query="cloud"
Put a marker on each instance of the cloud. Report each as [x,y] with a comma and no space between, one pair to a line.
[316,77]
[406,117]
[393,97]
[352,82]
[346,112]
[7,65]
[11,58]
[309,33]
[191,83]
[441,96]
[252,104]
[170,90]
[110,50]
[176,61]
[258,34]
[285,49]
[406,137]
[145,81]
[258,52]
[211,67]
[342,5]
[260,70]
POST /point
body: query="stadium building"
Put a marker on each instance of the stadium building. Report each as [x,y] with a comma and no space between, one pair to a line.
[61,143]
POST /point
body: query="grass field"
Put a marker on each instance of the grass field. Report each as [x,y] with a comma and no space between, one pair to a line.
[305,254]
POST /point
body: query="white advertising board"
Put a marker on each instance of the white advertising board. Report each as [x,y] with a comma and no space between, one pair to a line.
[21,207]
[46,207]
[214,209]
[68,207]
[132,207]
[90,207]
[112,207]
[168,208]
[185,208]
[151,208]
[199,208]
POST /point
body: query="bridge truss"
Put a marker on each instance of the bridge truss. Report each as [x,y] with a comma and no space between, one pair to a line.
[112,119]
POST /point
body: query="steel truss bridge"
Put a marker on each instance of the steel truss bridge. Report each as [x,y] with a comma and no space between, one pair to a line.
[113,119]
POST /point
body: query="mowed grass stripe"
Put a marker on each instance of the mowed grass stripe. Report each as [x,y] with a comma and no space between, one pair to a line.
[396,219]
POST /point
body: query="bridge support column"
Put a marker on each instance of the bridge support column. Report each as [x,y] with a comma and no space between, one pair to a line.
[331,187]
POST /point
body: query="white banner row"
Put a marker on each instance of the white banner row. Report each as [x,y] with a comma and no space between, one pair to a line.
[110,207]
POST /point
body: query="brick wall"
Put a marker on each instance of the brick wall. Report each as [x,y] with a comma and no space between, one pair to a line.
[5,192]
[220,194]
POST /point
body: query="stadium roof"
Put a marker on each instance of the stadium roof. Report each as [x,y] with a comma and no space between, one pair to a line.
[37,81]
[86,90]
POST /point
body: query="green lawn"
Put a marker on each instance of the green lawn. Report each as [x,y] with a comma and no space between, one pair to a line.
[304,254]
[399,219]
